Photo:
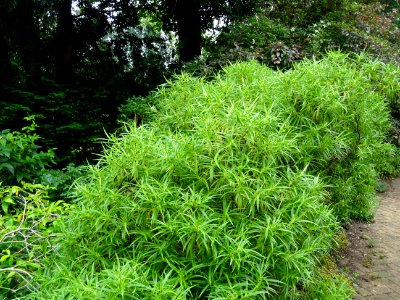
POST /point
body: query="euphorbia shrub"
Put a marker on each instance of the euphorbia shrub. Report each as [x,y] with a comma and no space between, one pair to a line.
[233,190]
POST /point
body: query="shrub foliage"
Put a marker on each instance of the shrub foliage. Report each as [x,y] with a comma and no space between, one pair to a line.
[26,235]
[233,190]
[27,209]
[20,155]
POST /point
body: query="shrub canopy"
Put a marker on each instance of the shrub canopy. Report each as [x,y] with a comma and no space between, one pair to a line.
[234,189]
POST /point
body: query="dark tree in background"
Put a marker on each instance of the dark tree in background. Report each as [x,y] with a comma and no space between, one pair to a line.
[63,41]
[190,19]
[72,63]
[19,41]
[5,61]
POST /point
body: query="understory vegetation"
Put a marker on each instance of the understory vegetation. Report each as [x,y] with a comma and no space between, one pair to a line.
[30,193]
[234,188]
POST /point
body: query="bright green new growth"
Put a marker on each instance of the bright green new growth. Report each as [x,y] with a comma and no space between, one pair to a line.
[234,190]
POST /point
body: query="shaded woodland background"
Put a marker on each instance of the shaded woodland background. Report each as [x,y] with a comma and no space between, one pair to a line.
[74,64]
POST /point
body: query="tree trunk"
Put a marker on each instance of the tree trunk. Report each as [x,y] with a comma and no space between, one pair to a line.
[28,43]
[189,29]
[5,63]
[63,42]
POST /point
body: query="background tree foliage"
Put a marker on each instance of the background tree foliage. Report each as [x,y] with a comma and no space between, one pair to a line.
[73,62]
[72,65]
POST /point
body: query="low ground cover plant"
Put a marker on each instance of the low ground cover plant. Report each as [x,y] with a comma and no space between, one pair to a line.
[26,235]
[30,194]
[234,189]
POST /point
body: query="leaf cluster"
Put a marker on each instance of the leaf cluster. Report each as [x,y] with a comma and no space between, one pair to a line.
[233,190]
[303,13]
[369,27]
[20,155]
[26,235]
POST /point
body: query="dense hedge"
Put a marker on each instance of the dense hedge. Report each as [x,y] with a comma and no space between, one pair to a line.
[234,189]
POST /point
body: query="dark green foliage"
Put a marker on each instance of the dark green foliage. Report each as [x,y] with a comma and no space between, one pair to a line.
[361,27]
[20,155]
[271,40]
[70,120]
[74,69]
[137,109]
[232,190]
[190,19]
[304,12]
[259,37]
[61,180]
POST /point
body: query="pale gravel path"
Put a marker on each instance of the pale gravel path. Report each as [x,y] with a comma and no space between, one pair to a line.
[375,250]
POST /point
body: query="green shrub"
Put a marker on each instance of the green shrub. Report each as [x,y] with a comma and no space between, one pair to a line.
[20,155]
[233,190]
[27,212]
[21,159]
[26,236]
[61,180]
[137,109]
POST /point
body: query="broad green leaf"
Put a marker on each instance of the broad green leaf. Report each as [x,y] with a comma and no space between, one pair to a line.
[8,166]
